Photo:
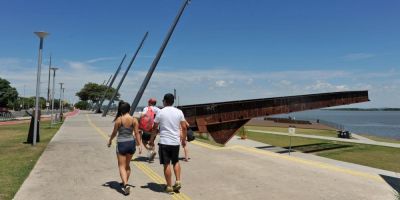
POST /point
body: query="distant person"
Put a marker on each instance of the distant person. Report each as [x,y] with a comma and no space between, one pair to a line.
[127,140]
[184,145]
[170,120]
[146,125]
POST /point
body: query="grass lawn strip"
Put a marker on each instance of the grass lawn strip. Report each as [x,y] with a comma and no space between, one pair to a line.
[318,132]
[18,159]
[369,155]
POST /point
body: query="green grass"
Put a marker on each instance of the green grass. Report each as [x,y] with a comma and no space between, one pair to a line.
[369,155]
[319,132]
[18,159]
[386,158]
[281,140]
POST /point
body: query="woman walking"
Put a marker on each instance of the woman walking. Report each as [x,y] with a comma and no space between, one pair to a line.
[128,139]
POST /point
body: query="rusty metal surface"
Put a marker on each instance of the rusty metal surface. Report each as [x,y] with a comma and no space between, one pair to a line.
[222,119]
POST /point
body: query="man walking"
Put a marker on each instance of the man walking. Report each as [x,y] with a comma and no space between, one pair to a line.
[146,124]
[171,121]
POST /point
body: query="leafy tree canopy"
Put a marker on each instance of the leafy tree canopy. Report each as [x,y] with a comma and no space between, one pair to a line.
[94,92]
[8,94]
[83,105]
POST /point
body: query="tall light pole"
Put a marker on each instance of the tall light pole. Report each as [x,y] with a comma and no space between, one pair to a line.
[23,100]
[48,87]
[59,107]
[62,105]
[41,35]
[52,95]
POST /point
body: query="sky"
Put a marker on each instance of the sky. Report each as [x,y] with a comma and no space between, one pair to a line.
[220,51]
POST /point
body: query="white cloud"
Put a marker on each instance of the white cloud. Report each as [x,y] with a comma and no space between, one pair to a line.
[285,82]
[78,65]
[100,59]
[221,83]
[321,86]
[212,85]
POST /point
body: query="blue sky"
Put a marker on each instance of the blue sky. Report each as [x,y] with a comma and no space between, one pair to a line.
[221,50]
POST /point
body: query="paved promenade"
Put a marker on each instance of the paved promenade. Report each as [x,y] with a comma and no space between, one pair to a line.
[78,165]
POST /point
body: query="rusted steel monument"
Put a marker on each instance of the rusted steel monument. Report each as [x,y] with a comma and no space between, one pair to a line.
[223,119]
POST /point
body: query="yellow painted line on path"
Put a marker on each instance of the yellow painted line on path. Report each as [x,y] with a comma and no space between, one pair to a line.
[316,164]
[141,166]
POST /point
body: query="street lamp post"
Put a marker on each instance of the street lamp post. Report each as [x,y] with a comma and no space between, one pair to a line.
[52,95]
[41,35]
[48,88]
[60,103]
[23,100]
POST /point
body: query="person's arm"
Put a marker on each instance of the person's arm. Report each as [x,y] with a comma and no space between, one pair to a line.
[114,133]
[184,126]
[137,135]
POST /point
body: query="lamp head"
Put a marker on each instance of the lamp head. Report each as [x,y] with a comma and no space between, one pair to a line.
[41,34]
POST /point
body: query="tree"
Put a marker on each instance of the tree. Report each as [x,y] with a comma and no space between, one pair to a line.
[94,92]
[83,105]
[8,94]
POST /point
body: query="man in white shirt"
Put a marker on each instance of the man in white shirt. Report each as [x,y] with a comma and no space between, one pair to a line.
[171,121]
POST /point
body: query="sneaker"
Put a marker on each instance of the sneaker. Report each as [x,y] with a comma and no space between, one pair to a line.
[169,190]
[126,189]
[177,186]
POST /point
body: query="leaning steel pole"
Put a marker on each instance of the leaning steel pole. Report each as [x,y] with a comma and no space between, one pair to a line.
[108,80]
[123,77]
[98,110]
[157,58]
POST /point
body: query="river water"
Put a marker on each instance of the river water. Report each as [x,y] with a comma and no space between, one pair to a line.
[378,123]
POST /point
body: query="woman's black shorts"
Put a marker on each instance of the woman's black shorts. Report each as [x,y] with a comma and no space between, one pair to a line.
[128,147]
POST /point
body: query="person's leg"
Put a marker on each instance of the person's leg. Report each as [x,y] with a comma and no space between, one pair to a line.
[122,168]
[177,171]
[185,151]
[128,158]
[167,174]
[152,153]
[177,168]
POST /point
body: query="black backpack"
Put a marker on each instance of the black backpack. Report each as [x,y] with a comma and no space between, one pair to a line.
[190,135]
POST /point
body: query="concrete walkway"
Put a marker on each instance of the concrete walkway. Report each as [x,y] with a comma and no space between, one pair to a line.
[78,165]
[386,144]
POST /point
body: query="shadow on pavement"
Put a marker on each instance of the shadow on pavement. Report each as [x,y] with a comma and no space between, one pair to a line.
[116,186]
[155,187]
[141,159]
[318,147]
[265,147]
[392,181]
[183,159]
